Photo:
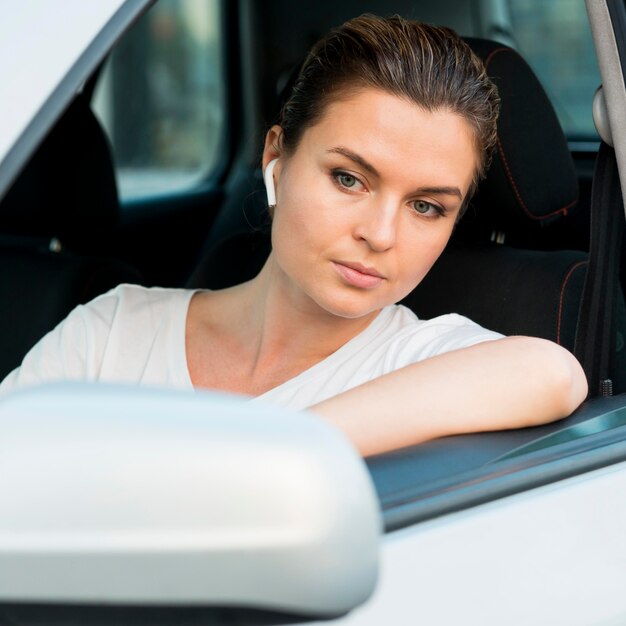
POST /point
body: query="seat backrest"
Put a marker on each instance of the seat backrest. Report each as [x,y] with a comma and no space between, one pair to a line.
[67,190]
[239,242]
[532,182]
[55,222]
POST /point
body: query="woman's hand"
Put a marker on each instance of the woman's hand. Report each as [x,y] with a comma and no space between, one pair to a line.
[507,383]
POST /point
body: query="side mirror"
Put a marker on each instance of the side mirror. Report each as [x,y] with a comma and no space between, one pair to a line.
[121,495]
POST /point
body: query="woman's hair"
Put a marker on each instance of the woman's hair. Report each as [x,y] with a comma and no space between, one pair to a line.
[428,65]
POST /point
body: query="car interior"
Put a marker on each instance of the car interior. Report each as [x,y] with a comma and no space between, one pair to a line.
[519,261]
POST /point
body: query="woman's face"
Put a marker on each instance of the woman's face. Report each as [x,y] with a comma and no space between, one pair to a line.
[367,201]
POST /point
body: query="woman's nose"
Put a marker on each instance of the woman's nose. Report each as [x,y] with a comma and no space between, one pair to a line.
[378,227]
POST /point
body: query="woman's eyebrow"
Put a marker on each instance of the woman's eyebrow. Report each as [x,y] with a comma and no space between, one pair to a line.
[442,190]
[353,156]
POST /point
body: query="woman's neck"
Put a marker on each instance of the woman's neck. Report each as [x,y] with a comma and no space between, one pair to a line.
[283,323]
[257,335]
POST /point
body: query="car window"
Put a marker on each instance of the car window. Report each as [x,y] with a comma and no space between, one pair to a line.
[160,98]
[554,37]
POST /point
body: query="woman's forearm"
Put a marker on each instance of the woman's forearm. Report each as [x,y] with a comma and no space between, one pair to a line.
[507,383]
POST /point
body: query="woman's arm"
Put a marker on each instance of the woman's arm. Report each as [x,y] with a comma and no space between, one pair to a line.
[506,383]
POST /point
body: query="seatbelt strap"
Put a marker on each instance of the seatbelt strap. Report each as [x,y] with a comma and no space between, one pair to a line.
[595,342]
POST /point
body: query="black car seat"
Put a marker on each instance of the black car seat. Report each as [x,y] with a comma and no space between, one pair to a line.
[496,275]
[493,271]
[55,222]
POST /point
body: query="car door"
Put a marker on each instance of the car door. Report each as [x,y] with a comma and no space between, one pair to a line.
[510,527]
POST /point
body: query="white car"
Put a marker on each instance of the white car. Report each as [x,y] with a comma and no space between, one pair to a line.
[122,505]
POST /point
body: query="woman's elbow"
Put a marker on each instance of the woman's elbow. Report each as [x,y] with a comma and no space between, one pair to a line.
[560,376]
[571,381]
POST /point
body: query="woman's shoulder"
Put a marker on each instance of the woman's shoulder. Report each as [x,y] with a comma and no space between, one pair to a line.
[112,337]
[139,296]
[128,303]
[402,316]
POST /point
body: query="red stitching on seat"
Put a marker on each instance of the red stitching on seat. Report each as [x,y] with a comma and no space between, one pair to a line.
[567,277]
[509,174]
[563,210]
[493,54]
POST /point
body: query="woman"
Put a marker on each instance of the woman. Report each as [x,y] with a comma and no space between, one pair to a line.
[377,152]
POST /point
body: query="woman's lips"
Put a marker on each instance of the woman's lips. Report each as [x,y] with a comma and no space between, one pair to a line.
[358,275]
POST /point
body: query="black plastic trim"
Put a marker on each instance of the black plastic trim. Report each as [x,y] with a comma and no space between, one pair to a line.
[579,446]
[54,106]
[31,613]
[499,482]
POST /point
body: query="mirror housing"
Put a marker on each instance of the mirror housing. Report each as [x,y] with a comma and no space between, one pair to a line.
[121,495]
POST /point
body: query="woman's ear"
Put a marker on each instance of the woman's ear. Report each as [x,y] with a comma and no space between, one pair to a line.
[271,154]
[272,149]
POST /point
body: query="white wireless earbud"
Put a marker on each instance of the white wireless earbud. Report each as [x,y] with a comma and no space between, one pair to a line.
[270,189]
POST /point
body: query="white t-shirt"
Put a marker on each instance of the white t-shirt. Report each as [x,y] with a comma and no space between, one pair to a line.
[136,335]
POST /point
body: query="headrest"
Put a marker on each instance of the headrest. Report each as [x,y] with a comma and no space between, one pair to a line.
[67,189]
[532,180]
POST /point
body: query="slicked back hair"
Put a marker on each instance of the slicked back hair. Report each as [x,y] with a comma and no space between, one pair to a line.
[429,66]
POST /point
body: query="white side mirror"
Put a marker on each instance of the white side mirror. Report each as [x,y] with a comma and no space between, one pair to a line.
[132,496]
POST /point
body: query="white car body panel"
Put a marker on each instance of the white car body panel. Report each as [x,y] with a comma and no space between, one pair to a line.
[554,555]
[36,76]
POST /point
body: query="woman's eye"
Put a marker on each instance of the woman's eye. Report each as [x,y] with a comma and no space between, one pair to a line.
[427,208]
[347,180]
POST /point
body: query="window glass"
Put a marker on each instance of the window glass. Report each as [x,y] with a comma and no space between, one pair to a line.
[160,98]
[554,37]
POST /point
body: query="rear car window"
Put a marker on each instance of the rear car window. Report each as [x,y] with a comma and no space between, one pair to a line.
[160,99]
[554,37]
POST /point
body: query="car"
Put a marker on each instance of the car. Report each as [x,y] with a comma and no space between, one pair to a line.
[129,152]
